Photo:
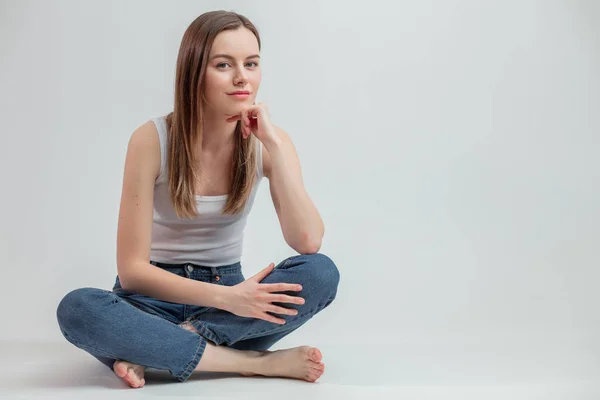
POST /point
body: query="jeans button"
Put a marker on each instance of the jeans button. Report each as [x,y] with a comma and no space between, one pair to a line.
[217,278]
[189,268]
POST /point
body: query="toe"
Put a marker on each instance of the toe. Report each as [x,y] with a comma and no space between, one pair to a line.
[129,379]
[316,371]
[315,354]
[132,379]
[120,369]
[312,376]
[318,366]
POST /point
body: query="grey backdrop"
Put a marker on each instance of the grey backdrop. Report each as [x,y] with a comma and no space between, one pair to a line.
[451,147]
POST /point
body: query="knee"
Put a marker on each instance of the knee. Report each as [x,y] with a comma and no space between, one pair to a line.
[324,273]
[75,306]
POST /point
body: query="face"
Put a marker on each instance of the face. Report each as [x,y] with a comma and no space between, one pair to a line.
[233,66]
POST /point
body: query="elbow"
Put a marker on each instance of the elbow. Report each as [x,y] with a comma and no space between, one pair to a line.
[127,276]
[308,246]
[126,284]
[313,248]
[124,281]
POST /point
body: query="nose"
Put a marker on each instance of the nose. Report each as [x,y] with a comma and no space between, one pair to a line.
[240,78]
[241,81]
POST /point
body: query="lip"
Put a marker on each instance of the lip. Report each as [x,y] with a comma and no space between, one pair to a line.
[239,92]
[240,95]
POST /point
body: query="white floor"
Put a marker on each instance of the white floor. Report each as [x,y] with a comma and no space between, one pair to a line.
[421,369]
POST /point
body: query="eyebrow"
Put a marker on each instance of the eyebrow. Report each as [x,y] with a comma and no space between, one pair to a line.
[231,58]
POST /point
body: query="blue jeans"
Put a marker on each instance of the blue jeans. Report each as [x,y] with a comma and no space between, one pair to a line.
[122,325]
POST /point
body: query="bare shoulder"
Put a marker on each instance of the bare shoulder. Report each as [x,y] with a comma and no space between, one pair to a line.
[289,146]
[144,147]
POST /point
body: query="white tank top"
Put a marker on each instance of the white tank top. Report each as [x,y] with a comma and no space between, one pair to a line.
[212,239]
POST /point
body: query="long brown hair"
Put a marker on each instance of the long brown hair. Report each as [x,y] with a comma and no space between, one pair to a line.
[185,126]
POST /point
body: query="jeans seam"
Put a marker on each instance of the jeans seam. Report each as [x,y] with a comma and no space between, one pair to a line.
[191,366]
[204,331]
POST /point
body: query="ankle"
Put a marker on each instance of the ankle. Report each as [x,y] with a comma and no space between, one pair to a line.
[262,363]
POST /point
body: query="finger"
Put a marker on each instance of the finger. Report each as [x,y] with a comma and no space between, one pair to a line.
[282,310]
[243,124]
[247,122]
[264,273]
[247,117]
[252,117]
[261,108]
[248,125]
[270,318]
[282,287]
[233,118]
[282,298]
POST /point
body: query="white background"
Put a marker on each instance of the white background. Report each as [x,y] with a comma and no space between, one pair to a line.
[450,146]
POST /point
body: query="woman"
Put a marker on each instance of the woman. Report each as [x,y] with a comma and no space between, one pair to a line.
[180,302]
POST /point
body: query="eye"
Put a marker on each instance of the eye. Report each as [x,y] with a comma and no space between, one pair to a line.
[224,63]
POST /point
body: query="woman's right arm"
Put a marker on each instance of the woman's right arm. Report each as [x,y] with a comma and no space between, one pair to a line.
[134,232]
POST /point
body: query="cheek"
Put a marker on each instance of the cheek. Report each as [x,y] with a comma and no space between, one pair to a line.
[256,78]
[215,84]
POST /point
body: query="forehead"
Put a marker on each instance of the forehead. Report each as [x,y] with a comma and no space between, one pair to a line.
[237,43]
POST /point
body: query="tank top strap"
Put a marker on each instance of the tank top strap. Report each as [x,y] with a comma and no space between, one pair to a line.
[259,164]
[161,128]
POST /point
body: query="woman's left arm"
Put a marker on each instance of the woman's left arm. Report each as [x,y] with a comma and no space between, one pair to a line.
[300,221]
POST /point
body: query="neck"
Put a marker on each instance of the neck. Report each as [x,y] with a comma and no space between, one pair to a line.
[218,134]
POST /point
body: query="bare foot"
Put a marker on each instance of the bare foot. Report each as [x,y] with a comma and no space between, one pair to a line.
[132,374]
[302,362]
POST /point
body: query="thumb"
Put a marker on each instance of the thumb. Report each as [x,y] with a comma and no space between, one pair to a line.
[263,274]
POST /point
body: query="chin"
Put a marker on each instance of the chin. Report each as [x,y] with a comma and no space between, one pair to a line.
[238,107]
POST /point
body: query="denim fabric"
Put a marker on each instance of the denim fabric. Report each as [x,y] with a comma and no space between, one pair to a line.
[122,325]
